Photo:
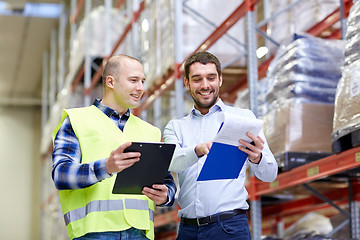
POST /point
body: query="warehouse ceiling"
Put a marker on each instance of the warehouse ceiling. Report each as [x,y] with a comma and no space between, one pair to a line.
[25,34]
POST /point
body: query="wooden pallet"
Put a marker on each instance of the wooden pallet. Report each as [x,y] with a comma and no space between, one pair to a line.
[346,142]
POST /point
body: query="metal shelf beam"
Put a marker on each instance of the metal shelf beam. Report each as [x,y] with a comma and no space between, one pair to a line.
[308,204]
[325,167]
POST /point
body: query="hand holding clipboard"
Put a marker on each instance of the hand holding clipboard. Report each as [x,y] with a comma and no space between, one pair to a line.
[151,169]
[225,147]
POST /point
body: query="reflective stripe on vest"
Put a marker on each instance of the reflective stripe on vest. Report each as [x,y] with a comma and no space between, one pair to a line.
[107,205]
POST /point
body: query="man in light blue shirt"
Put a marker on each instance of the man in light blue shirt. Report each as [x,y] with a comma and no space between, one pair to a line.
[215,209]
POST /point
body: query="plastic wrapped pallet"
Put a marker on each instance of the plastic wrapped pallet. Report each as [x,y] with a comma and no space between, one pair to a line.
[243,97]
[310,56]
[96,47]
[352,49]
[156,39]
[303,78]
[347,104]
[201,18]
[308,68]
[312,224]
[166,29]
[346,124]
[287,22]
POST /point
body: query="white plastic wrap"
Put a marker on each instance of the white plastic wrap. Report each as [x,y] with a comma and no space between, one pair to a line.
[352,50]
[309,225]
[157,43]
[166,35]
[96,47]
[307,68]
[347,101]
[63,101]
[299,18]
[196,29]
[243,97]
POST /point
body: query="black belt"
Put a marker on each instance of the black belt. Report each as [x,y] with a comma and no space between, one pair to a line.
[213,218]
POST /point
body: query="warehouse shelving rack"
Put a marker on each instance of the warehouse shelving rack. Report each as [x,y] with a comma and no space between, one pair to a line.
[173,78]
[303,175]
[254,73]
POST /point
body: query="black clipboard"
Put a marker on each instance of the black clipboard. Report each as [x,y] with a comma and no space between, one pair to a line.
[151,169]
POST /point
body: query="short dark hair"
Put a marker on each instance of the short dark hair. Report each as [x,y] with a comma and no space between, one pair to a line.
[204,58]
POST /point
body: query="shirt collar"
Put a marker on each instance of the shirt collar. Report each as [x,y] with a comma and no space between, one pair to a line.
[109,111]
[218,106]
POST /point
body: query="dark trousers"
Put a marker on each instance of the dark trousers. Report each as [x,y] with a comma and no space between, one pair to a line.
[235,228]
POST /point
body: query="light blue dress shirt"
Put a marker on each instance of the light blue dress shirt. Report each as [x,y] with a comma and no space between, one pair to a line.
[204,198]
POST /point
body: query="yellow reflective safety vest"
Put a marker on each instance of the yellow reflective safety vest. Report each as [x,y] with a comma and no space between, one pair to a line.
[95,208]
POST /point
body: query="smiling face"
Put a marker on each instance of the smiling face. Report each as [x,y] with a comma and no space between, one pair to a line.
[204,84]
[129,85]
[125,86]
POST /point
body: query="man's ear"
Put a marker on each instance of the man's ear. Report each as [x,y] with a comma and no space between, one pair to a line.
[186,83]
[220,80]
[110,81]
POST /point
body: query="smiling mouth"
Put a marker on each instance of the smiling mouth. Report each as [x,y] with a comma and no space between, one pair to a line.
[207,93]
[136,96]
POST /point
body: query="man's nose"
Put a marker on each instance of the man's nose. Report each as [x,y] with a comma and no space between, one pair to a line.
[140,86]
[205,83]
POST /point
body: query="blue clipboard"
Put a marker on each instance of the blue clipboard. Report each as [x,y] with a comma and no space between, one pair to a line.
[223,162]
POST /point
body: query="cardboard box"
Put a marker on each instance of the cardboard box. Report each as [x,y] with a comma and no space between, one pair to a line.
[299,127]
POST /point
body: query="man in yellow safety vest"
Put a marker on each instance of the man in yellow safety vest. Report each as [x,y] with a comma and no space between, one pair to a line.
[89,145]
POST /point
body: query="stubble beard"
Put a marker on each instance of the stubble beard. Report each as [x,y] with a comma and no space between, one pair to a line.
[207,105]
